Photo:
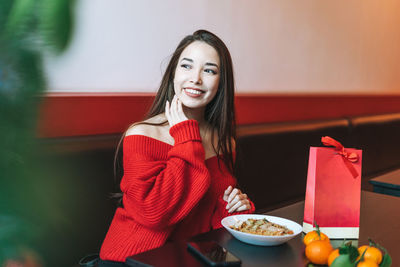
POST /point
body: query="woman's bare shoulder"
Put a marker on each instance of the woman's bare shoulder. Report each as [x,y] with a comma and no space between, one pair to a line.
[139,129]
[147,127]
[156,127]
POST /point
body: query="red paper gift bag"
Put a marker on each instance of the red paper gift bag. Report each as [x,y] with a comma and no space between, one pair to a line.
[333,190]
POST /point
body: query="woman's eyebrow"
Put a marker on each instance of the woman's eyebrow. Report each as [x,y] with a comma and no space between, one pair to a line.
[207,64]
[211,64]
[188,59]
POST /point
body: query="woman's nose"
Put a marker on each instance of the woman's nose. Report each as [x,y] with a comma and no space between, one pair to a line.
[196,77]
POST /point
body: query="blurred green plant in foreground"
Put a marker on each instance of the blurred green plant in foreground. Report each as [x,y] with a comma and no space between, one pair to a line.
[28,30]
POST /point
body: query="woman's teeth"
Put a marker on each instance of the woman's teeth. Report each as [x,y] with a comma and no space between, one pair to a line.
[196,92]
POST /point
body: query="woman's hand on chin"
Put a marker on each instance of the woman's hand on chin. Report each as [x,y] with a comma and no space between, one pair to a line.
[174,112]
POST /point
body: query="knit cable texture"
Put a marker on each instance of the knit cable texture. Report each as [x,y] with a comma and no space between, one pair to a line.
[169,192]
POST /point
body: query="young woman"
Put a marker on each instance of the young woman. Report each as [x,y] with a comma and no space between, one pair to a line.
[178,162]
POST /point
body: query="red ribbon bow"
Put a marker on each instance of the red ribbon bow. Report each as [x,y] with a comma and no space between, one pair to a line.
[348,158]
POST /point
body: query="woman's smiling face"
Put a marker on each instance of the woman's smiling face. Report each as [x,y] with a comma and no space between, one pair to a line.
[197,75]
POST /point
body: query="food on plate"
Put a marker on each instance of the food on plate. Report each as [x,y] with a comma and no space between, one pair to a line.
[234,223]
[262,227]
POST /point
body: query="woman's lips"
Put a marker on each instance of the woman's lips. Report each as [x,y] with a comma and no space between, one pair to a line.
[193,92]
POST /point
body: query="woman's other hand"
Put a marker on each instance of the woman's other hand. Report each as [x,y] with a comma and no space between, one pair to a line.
[237,201]
[174,112]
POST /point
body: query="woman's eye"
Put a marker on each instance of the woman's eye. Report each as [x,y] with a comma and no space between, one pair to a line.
[210,71]
[186,66]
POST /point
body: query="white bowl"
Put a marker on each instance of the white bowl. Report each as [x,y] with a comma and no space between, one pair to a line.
[261,240]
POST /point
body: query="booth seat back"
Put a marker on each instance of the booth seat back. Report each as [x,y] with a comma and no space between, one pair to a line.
[272,159]
[79,180]
[379,138]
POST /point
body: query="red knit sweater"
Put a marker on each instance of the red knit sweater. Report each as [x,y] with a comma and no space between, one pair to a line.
[170,193]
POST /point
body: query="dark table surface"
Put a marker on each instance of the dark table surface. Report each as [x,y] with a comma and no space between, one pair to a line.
[380,220]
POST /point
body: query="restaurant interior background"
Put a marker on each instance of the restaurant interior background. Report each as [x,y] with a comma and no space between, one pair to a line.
[293,60]
[294,56]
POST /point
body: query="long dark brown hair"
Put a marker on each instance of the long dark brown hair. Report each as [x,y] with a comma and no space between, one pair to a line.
[219,113]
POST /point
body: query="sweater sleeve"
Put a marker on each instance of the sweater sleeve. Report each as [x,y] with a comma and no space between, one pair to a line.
[221,212]
[160,193]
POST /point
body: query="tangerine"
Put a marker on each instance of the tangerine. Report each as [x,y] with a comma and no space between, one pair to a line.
[372,253]
[334,254]
[318,251]
[367,263]
[313,235]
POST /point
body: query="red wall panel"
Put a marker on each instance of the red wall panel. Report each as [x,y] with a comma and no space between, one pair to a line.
[79,114]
